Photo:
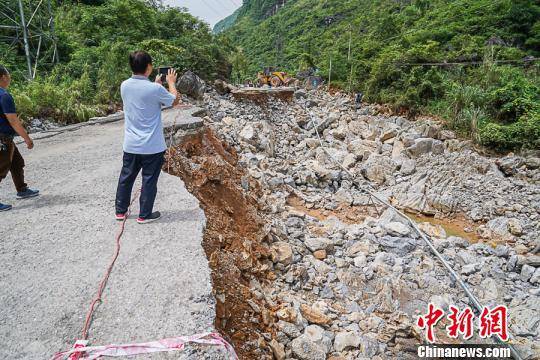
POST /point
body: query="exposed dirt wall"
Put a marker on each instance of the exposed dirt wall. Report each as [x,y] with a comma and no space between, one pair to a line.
[233,239]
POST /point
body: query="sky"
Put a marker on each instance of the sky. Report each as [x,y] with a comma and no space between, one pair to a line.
[210,11]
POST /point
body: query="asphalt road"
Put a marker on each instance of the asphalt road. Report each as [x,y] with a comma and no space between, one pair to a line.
[54,250]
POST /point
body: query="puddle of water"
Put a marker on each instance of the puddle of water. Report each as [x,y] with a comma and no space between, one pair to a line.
[356,214]
[453,227]
[346,214]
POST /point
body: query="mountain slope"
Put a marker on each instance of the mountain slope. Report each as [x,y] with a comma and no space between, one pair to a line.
[389,38]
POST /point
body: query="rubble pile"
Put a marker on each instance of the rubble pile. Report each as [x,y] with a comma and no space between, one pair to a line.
[347,279]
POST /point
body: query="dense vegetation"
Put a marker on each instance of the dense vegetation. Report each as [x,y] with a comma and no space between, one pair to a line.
[393,46]
[94,39]
[227,22]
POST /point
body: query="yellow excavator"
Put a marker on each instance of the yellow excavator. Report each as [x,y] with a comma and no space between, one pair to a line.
[269,76]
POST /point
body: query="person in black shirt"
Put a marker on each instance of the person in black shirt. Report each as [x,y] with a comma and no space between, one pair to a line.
[11,160]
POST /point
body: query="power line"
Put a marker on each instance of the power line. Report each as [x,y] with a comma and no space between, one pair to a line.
[211,8]
[234,3]
[447,19]
[526,60]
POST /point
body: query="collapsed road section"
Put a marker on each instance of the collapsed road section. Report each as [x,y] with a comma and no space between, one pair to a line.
[306,266]
[233,238]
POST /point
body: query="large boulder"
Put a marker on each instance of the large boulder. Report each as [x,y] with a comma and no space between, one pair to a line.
[282,253]
[222,87]
[509,165]
[421,146]
[346,340]
[305,349]
[192,85]
[378,168]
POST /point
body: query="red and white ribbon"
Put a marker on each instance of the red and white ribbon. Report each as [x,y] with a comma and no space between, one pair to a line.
[83,352]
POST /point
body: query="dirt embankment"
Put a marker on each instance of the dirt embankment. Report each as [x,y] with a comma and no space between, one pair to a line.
[234,239]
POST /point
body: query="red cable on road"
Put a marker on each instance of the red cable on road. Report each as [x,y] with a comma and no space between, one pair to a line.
[103,282]
[81,350]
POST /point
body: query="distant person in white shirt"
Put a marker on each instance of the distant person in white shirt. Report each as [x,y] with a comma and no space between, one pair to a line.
[144,142]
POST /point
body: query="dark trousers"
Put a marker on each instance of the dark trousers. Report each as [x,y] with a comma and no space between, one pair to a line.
[151,167]
[11,161]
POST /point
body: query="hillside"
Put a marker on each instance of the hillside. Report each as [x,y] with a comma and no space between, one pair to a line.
[226,23]
[399,52]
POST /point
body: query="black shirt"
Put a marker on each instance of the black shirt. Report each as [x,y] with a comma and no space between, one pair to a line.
[7,106]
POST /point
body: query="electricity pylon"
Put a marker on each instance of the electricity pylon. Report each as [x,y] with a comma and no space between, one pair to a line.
[28,25]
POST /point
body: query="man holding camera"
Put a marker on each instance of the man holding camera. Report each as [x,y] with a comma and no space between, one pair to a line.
[144,141]
[10,157]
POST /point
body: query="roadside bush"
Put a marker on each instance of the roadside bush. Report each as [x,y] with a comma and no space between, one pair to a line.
[523,133]
[45,98]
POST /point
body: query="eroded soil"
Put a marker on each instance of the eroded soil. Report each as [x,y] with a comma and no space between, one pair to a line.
[233,239]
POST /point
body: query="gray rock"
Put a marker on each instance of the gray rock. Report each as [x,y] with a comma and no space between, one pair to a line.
[362,149]
[499,226]
[397,228]
[421,146]
[190,84]
[533,260]
[535,278]
[315,244]
[502,251]
[408,167]
[378,168]
[409,139]
[349,161]
[446,135]
[441,301]
[509,165]
[282,253]
[305,349]
[399,245]
[318,335]
[390,215]
[223,87]
[437,147]
[345,340]
[289,329]
[527,272]
[515,227]
[311,103]
[465,257]
[431,130]
[300,94]
[360,261]
[320,266]
[369,347]
[247,133]
[524,318]
[330,119]
[469,269]
[532,163]
[489,290]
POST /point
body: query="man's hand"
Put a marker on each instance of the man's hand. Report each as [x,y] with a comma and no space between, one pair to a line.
[171,77]
[158,79]
[16,124]
[29,143]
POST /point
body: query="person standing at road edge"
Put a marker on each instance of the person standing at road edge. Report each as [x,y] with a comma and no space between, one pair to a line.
[11,160]
[144,141]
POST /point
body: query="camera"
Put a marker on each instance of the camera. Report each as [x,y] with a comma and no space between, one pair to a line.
[163,71]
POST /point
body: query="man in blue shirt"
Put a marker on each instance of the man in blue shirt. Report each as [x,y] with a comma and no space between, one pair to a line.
[11,160]
[144,141]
